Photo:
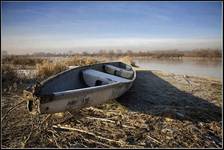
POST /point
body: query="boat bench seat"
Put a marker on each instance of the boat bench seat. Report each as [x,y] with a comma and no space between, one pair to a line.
[95,78]
[119,71]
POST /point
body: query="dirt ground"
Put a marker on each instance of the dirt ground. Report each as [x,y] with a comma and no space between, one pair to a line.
[160,110]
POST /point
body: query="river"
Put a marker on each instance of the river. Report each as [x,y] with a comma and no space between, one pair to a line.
[185,66]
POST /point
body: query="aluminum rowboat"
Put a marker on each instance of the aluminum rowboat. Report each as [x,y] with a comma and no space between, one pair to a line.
[80,87]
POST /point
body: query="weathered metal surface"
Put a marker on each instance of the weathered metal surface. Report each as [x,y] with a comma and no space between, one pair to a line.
[68,91]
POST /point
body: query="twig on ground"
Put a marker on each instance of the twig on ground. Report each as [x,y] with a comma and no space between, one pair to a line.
[25,142]
[107,120]
[56,142]
[88,133]
[48,116]
[31,132]
[12,108]
[97,142]
[153,139]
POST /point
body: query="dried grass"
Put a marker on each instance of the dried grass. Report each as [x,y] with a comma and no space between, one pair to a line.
[47,68]
[21,60]
[78,61]
[9,78]
[8,73]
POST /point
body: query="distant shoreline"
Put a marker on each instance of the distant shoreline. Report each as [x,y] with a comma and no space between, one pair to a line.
[197,53]
[165,58]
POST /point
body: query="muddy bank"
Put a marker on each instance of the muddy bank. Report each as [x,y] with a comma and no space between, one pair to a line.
[160,110]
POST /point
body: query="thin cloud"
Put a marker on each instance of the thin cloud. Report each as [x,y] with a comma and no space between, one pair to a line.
[36,26]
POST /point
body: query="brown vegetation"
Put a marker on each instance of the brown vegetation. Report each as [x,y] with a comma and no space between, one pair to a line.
[10,79]
[8,73]
[205,53]
[78,58]
[47,68]
[21,60]
[79,61]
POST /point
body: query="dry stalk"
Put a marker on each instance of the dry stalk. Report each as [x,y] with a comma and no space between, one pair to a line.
[12,108]
[88,133]
[111,121]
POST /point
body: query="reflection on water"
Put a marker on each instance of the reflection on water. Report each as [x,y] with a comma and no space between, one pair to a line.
[195,67]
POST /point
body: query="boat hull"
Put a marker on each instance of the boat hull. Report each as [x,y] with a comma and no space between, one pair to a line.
[77,99]
[57,94]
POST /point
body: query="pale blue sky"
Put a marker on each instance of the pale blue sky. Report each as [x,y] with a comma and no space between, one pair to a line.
[53,26]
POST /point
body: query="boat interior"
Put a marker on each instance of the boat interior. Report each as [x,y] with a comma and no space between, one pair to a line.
[87,76]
